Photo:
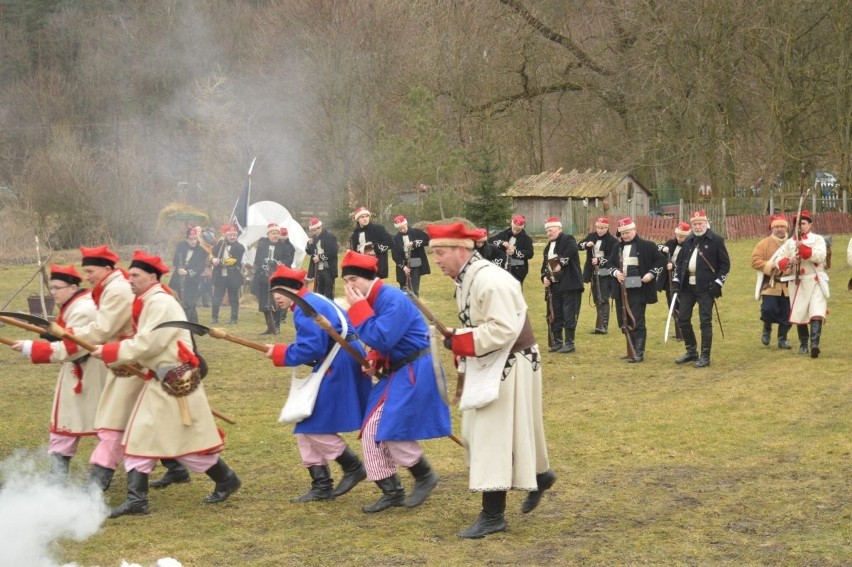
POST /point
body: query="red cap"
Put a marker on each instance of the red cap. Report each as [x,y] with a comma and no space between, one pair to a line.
[399,221]
[626,224]
[272,227]
[456,234]
[100,256]
[66,274]
[806,215]
[285,276]
[519,220]
[314,223]
[602,222]
[697,216]
[149,263]
[226,228]
[553,222]
[361,265]
[682,229]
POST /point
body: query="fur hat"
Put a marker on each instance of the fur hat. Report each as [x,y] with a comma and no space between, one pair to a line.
[626,224]
[553,222]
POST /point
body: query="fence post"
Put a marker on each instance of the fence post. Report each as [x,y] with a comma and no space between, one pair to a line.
[845,209]
[813,202]
[680,210]
[771,205]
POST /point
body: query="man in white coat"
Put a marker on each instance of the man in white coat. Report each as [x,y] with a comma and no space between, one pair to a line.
[81,379]
[501,403]
[809,293]
[171,417]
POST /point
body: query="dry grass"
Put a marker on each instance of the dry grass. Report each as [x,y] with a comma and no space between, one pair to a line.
[746,462]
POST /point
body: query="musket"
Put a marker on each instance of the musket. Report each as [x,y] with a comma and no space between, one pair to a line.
[8,342]
[324,324]
[216,333]
[797,230]
[626,325]
[38,325]
[718,318]
[549,316]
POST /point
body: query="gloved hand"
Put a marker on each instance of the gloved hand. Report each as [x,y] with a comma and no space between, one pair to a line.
[716,290]
[448,341]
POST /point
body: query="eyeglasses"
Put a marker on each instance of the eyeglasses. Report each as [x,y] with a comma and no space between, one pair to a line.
[57,287]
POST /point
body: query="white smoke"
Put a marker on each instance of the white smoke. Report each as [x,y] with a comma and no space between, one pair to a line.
[37,510]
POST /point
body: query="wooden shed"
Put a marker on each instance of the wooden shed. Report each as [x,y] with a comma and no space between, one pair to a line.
[577,198]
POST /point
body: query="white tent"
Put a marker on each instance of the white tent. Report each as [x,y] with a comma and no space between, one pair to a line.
[260,215]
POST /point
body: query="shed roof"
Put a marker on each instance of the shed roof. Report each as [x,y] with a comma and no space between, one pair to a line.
[586,185]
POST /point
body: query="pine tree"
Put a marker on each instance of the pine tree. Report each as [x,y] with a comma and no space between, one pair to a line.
[487,207]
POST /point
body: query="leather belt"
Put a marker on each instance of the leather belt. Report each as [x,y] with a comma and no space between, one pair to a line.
[408,359]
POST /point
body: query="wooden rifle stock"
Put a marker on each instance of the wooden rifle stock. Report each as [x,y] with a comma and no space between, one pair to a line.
[628,322]
[549,316]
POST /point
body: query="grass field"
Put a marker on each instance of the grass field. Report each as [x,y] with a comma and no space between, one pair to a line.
[747,462]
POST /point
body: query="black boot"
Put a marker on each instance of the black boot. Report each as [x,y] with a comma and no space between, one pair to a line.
[604,319]
[690,355]
[321,485]
[176,473]
[568,347]
[425,481]
[137,496]
[704,359]
[767,333]
[491,519]
[816,331]
[227,482]
[277,317]
[59,465]
[353,472]
[544,481]
[393,494]
[802,330]
[782,337]
[557,341]
[639,349]
[270,324]
[101,476]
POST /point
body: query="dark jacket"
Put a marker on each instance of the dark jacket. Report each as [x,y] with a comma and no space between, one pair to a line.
[233,274]
[283,252]
[419,241]
[378,238]
[608,243]
[324,245]
[192,259]
[570,277]
[712,264]
[650,261]
[523,249]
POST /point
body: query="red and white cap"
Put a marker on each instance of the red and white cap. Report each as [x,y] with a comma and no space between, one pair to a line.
[273,227]
[314,223]
[67,274]
[148,263]
[228,229]
[360,212]
[626,224]
[553,222]
[452,235]
[519,220]
[602,222]
[682,229]
[696,216]
[400,221]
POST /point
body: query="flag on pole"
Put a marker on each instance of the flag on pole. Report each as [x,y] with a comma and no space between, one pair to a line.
[239,216]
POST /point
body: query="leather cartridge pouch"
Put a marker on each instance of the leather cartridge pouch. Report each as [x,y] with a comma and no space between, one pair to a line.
[633,282]
[181,380]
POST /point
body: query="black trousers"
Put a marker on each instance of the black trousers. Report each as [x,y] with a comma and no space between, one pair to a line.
[566,311]
[637,305]
[687,298]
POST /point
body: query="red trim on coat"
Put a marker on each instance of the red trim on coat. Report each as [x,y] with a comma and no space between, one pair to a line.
[70,346]
[360,312]
[278,354]
[805,251]
[462,343]
[110,352]
[41,353]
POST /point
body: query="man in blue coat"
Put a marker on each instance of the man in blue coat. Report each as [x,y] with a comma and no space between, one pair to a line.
[342,392]
[405,404]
